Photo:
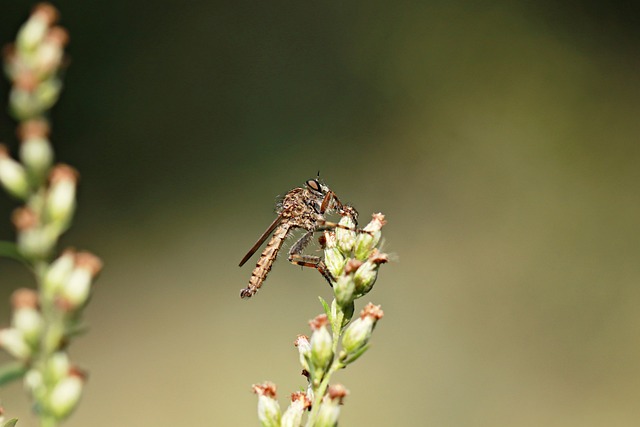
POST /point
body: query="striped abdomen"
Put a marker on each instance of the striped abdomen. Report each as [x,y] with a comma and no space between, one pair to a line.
[263,266]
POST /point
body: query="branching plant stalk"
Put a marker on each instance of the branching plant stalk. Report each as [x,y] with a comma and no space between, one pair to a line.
[45,319]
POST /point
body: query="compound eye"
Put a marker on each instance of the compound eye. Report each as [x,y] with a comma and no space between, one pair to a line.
[314,185]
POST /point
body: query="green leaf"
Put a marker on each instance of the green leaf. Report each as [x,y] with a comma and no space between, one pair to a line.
[10,250]
[11,423]
[326,307]
[11,371]
[354,356]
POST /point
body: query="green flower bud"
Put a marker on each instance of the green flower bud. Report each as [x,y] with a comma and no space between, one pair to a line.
[321,345]
[33,32]
[365,277]
[359,331]
[37,156]
[34,383]
[58,367]
[344,290]
[58,272]
[65,396]
[334,261]
[13,342]
[268,408]
[366,242]
[13,176]
[29,322]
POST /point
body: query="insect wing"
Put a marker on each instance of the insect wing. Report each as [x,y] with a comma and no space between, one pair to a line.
[261,240]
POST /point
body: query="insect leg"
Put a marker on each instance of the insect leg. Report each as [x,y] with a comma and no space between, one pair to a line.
[297,257]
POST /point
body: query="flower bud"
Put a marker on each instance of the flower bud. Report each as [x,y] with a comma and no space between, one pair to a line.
[37,156]
[292,417]
[365,277]
[78,285]
[13,342]
[358,333]
[268,408]
[58,273]
[37,242]
[61,197]
[344,290]
[366,242]
[29,322]
[65,396]
[333,258]
[33,382]
[34,30]
[58,367]
[304,350]
[330,408]
[13,176]
[346,238]
[321,345]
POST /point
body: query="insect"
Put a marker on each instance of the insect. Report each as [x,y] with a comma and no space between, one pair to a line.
[304,208]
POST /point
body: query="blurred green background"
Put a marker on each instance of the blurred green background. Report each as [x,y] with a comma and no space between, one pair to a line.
[500,139]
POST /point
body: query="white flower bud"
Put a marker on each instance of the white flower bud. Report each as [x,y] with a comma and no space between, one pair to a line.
[304,350]
[37,242]
[32,33]
[65,396]
[58,366]
[33,381]
[58,272]
[330,407]
[13,342]
[268,407]
[37,155]
[61,198]
[292,416]
[28,321]
[13,176]
[321,345]
[346,238]
[77,287]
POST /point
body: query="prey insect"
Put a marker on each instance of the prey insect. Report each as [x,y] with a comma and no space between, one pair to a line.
[303,208]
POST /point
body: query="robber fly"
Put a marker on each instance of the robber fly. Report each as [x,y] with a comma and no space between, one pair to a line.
[304,208]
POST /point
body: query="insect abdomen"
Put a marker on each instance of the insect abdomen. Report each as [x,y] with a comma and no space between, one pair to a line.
[267,257]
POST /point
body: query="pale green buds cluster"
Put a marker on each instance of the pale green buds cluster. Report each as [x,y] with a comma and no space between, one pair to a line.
[353,259]
[67,281]
[268,408]
[357,334]
[22,338]
[47,214]
[56,387]
[33,63]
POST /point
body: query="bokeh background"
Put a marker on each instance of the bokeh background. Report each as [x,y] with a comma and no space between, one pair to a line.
[500,138]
